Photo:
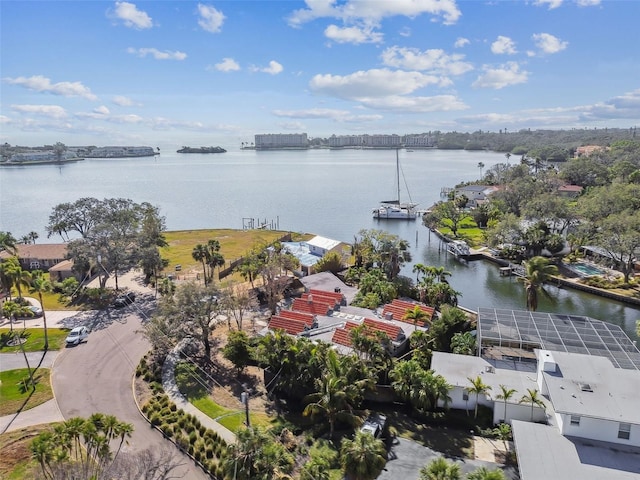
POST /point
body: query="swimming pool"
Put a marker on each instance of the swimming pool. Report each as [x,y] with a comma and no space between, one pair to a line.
[585,269]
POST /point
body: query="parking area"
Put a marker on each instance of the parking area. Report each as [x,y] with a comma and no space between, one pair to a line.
[407,457]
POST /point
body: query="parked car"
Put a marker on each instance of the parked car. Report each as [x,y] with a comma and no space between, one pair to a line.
[375,424]
[35,312]
[77,335]
[124,300]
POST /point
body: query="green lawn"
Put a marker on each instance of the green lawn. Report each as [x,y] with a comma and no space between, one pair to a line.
[35,339]
[14,397]
[197,394]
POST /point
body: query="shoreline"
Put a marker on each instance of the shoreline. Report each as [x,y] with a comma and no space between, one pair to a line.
[558,281]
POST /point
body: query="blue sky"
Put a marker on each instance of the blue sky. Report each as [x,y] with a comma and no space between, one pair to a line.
[201,73]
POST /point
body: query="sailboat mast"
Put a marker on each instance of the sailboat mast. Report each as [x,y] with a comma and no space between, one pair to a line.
[398,175]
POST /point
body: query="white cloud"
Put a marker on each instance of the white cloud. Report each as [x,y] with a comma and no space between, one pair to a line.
[371,83]
[461,42]
[157,54]
[210,19]
[504,76]
[52,111]
[503,46]
[274,68]
[438,103]
[355,35]
[122,101]
[405,32]
[550,3]
[227,65]
[101,110]
[131,16]
[352,11]
[548,43]
[40,83]
[624,106]
[434,60]
[587,3]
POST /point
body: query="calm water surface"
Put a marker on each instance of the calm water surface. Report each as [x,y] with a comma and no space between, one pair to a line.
[326,192]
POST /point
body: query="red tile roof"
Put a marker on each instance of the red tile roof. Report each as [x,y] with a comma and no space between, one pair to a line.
[317,297]
[292,327]
[305,306]
[398,309]
[338,297]
[307,318]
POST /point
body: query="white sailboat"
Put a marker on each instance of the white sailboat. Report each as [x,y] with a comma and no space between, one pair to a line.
[395,209]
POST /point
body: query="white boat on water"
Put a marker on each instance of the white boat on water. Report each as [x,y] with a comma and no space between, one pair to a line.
[396,209]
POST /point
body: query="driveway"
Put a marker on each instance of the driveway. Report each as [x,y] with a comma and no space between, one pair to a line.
[97,376]
[407,457]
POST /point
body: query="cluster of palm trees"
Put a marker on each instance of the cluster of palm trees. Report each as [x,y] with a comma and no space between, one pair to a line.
[478,387]
[210,257]
[433,287]
[80,448]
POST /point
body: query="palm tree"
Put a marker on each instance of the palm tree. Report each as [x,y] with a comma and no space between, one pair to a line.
[199,254]
[416,315]
[480,166]
[504,395]
[364,457]
[39,285]
[533,397]
[7,242]
[483,473]
[440,469]
[538,270]
[503,432]
[508,155]
[12,310]
[478,387]
[33,236]
[335,397]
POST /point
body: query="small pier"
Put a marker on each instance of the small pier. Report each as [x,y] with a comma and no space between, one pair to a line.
[445,191]
[512,270]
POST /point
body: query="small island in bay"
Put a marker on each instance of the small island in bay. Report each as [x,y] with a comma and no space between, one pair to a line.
[201,150]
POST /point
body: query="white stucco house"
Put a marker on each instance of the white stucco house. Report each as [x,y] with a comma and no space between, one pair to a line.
[458,369]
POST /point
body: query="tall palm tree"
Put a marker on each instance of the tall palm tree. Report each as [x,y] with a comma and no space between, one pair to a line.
[505,394]
[440,469]
[480,166]
[538,270]
[39,285]
[533,397]
[199,254]
[416,315]
[477,387]
[364,457]
[508,156]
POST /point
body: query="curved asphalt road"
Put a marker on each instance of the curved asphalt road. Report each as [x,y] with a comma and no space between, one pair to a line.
[96,376]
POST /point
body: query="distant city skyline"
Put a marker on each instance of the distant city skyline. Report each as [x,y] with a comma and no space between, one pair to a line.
[165,73]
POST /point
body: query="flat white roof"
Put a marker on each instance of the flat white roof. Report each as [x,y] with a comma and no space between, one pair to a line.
[543,453]
[457,369]
[323,242]
[591,386]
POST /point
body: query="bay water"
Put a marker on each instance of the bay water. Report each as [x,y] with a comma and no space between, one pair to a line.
[326,192]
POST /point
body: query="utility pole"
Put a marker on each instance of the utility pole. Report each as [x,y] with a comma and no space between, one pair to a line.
[244,398]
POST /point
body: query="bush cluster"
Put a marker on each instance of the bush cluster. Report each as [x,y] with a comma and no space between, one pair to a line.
[184,429]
